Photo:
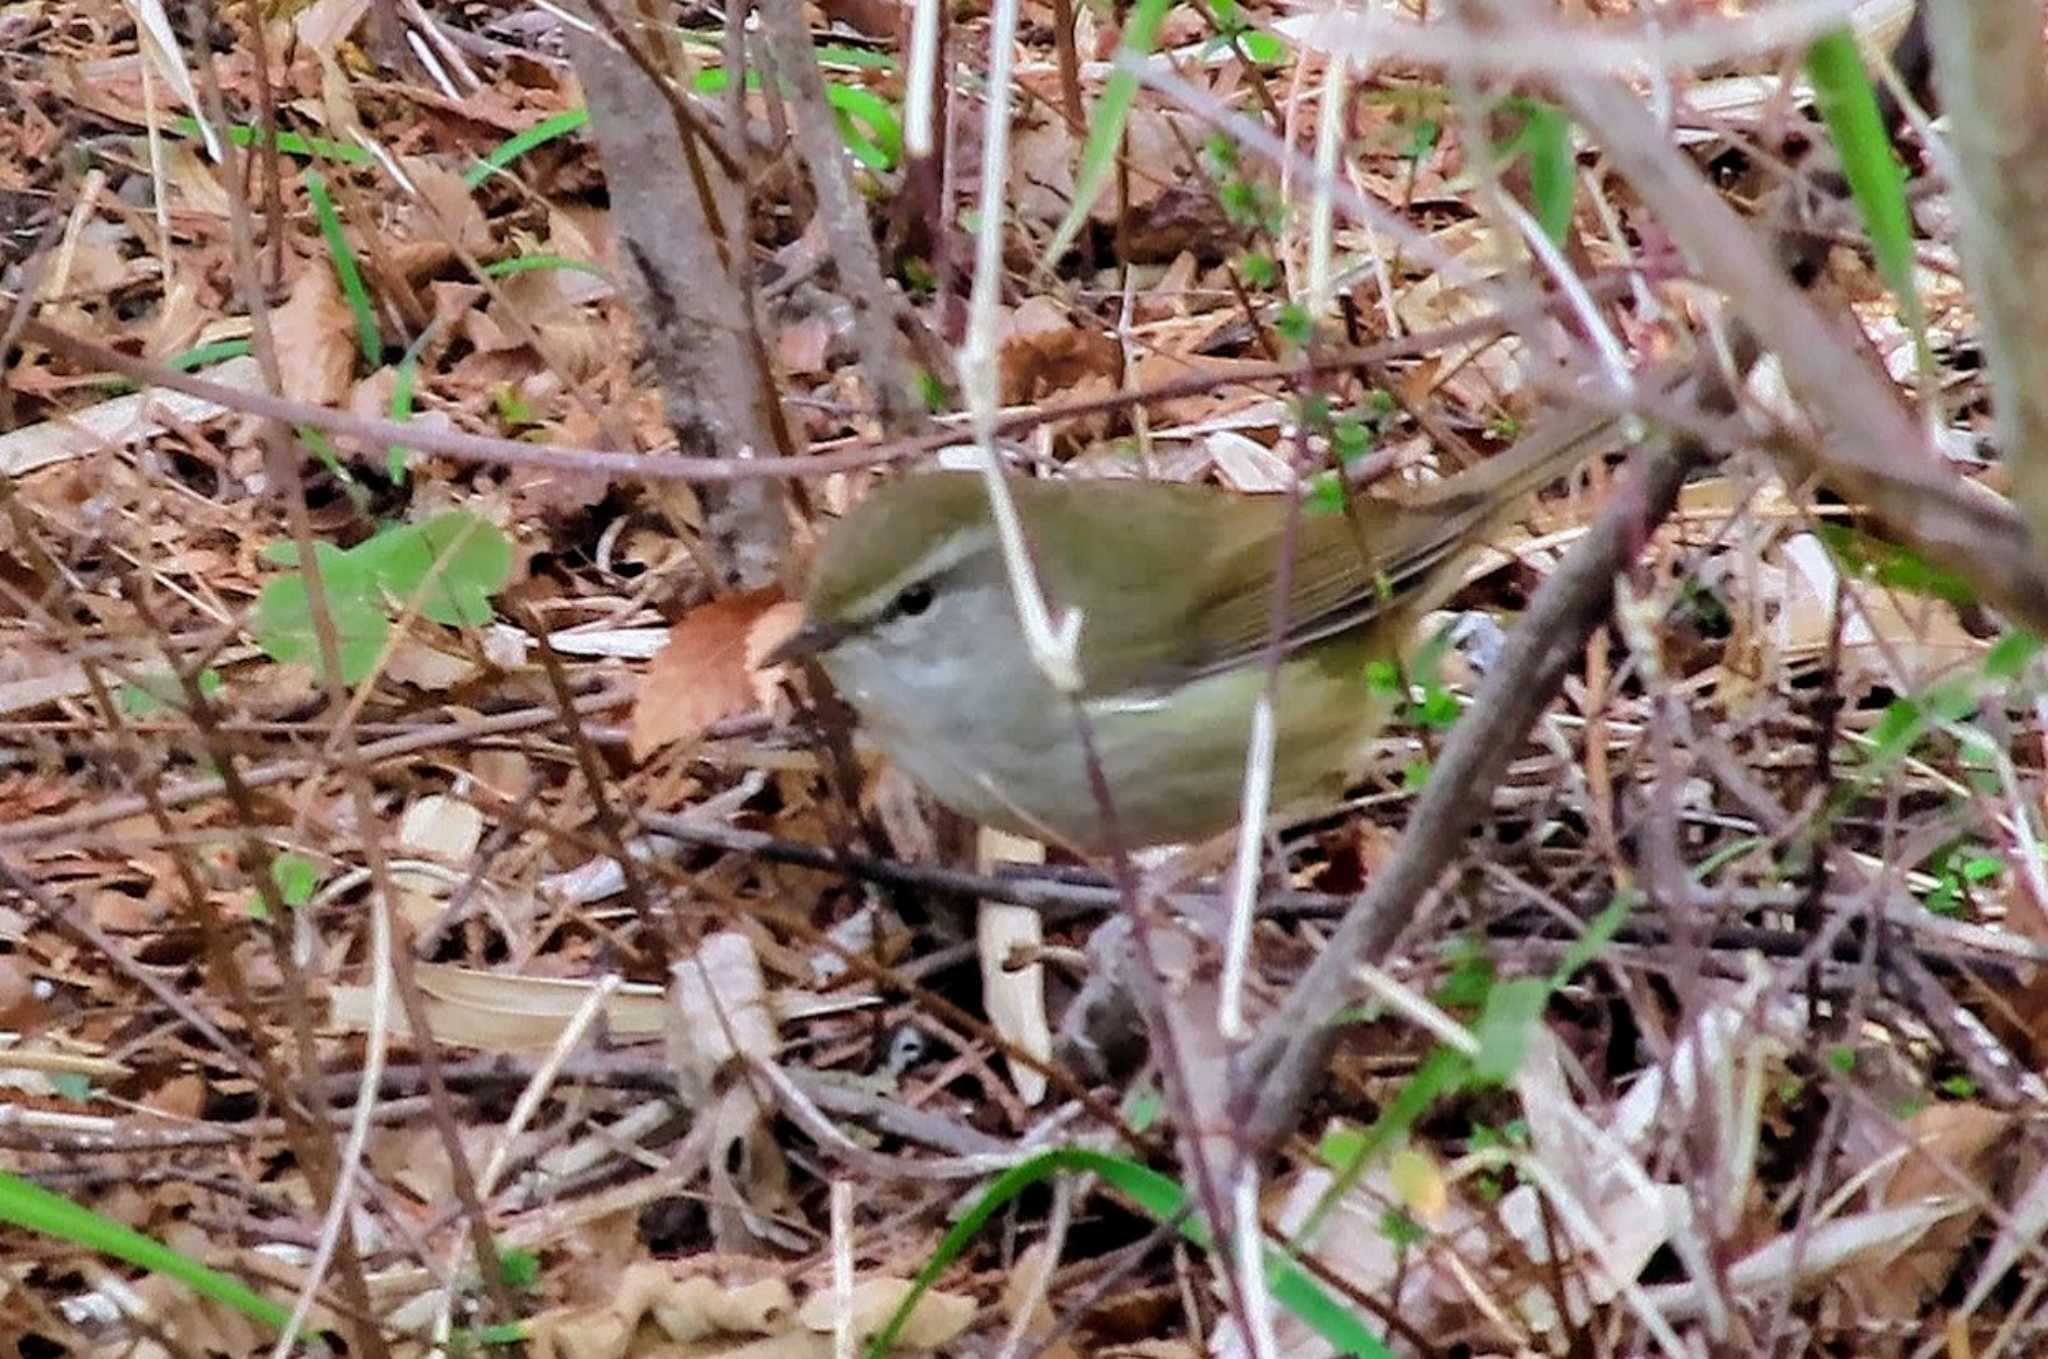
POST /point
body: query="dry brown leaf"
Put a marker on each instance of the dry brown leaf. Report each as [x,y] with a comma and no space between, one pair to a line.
[1045,353]
[323,25]
[505,1013]
[707,669]
[316,338]
[1043,158]
[937,1319]
[19,1004]
[1948,1140]
[692,1308]
[193,180]
[1157,369]
[447,217]
[181,1096]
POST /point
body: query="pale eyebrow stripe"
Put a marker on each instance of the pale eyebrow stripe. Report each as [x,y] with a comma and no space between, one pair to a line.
[948,553]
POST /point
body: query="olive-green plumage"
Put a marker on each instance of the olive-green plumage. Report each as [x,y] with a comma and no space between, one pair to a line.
[910,612]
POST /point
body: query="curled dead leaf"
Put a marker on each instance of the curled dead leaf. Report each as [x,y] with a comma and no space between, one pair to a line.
[937,1318]
[708,669]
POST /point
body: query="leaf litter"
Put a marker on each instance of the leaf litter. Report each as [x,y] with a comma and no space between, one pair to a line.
[1851,1182]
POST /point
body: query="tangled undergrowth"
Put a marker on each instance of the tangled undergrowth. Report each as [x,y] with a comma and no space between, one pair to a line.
[478,942]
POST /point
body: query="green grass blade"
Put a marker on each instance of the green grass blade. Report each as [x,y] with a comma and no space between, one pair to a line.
[191,360]
[1877,181]
[523,264]
[290,143]
[1106,126]
[1160,1199]
[352,285]
[829,54]
[1553,170]
[867,124]
[512,148]
[405,383]
[31,1206]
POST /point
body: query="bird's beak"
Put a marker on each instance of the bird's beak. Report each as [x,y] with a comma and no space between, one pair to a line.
[813,638]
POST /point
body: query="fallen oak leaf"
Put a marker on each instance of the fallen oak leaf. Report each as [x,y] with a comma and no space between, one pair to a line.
[708,668]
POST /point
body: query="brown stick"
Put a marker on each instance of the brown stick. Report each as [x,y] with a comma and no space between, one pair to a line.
[1283,1065]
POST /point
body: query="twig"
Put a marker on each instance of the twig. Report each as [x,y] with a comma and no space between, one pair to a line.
[1282,1066]
[53,829]
[378,433]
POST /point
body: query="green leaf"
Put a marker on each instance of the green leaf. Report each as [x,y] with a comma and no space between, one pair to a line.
[290,143]
[1512,1010]
[467,559]
[75,1086]
[1341,1147]
[526,264]
[1422,138]
[160,689]
[1402,1230]
[513,410]
[1441,1073]
[474,557]
[1324,494]
[853,107]
[2010,655]
[1894,565]
[1384,677]
[406,381]
[518,1267]
[1313,410]
[867,124]
[1438,710]
[1350,439]
[190,360]
[1471,975]
[36,1209]
[297,878]
[284,616]
[1596,935]
[1293,325]
[1982,867]
[1262,47]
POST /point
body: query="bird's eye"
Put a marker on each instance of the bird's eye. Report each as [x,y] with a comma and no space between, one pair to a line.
[914,599]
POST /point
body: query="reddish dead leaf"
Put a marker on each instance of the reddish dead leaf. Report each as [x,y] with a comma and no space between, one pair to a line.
[1045,353]
[706,671]
[182,1096]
